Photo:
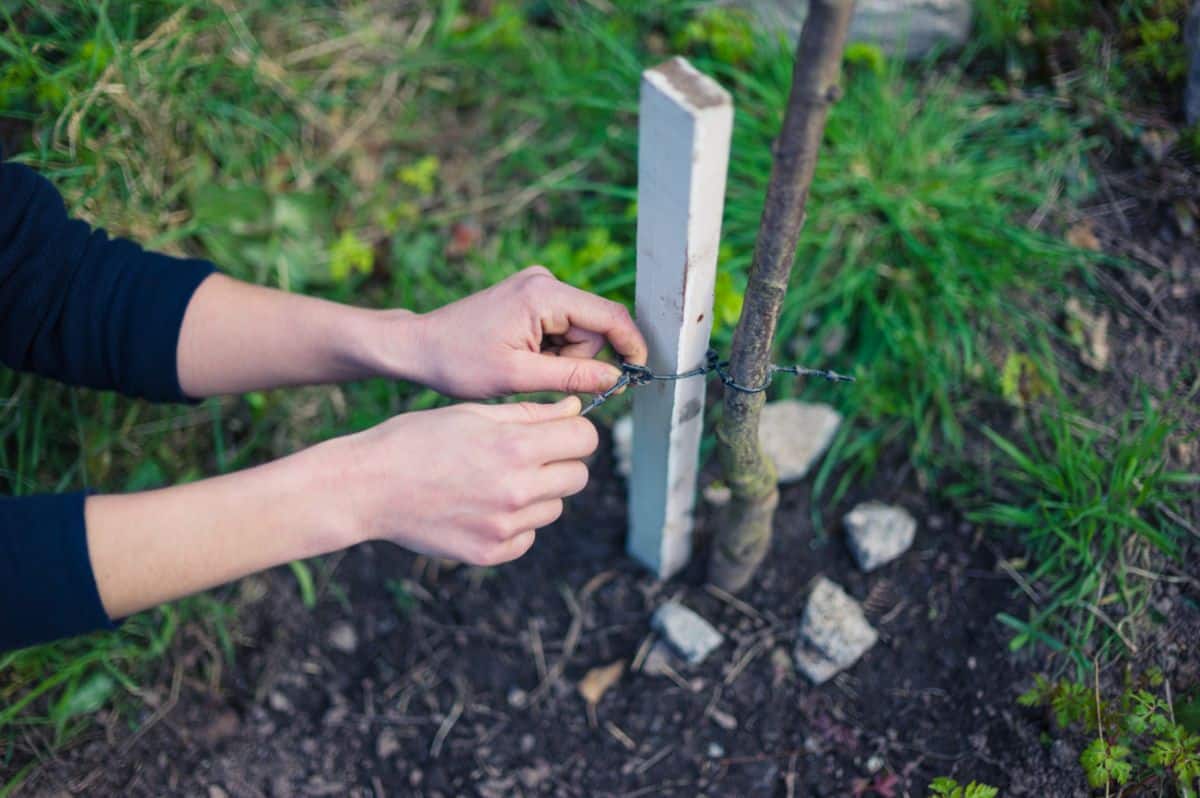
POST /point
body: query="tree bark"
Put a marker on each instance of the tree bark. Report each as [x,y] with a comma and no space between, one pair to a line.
[743,539]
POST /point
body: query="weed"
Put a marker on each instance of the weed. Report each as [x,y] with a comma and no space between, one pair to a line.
[946,787]
[1139,741]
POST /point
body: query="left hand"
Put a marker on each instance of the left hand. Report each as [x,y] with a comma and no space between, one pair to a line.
[530,332]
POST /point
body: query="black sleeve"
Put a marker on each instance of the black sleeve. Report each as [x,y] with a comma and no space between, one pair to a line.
[47,589]
[83,308]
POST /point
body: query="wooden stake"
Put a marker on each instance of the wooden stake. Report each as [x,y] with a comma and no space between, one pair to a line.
[684,129]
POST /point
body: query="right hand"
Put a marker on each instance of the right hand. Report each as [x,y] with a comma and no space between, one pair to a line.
[468,482]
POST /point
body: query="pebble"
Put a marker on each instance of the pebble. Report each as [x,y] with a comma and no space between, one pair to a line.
[386,744]
[343,637]
[878,533]
[689,634]
[217,791]
[834,633]
[517,697]
[279,702]
[795,434]
[715,751]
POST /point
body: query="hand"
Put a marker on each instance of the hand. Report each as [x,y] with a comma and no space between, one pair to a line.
[469,482]
[527,333]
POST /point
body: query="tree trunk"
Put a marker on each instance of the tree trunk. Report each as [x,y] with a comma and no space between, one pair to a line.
[743,539]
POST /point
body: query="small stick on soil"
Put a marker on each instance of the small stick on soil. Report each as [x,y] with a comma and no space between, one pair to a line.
[790,779]
[444,730]
[620,736]
[654,760]
[733,601]
[539,654]
[643,650]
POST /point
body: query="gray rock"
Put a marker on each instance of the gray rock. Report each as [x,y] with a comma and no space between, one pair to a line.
[343,637]
[387,744]
[909,27]
[622,436]
[690,635]
[878,533]
[1191,38]
[795,434]
[834,633]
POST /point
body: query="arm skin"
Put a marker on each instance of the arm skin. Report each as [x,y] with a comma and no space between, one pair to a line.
[469,482]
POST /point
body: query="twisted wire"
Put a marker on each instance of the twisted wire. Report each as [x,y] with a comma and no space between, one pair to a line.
[633,375]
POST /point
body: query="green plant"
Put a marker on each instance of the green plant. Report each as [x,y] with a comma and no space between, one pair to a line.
[1139,743]
[1091,505]
[946,787]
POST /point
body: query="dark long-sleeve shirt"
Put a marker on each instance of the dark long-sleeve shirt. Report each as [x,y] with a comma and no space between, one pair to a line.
[86,309]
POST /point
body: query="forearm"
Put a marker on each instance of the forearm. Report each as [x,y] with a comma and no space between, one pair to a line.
[152,547]
[240,337]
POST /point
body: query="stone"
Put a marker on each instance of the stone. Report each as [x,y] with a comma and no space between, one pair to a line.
[1191,39]
[878,533]
[279,702]
[343,637]
[690,635]
[387,744]
[217,791]
[912,28]
[834,633]
[795,434]
[622,437]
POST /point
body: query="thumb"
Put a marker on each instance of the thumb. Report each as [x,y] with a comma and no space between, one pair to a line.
[531,412]
[567,374]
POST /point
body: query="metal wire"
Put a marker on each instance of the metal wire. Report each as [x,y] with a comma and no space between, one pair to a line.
[633,375]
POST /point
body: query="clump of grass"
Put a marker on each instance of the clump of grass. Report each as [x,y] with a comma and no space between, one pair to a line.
[1097,510]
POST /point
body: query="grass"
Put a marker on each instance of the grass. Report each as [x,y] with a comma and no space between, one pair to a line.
[337,150]
[1098,509]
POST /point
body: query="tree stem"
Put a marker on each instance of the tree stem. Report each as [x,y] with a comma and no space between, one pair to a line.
[743,539]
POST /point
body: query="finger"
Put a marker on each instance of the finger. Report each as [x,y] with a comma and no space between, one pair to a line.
[561,439]
[581,343]
[514,547]
[529,412]
[536,516]
[606,317]
[558,480]
[545,372]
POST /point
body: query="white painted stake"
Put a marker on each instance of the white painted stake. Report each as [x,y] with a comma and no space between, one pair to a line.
[684,128]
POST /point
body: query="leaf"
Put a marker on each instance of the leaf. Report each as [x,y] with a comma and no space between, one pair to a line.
[350,254]
[84,699]
[597,681]
[1082,236]
[304,580]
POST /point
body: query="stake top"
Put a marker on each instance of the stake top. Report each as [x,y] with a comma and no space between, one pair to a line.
[687,86]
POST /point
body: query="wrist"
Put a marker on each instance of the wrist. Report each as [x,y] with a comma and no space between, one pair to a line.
[323,509]
[388,343]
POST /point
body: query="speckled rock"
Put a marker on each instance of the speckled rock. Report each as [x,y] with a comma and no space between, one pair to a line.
[834,633]
[688,634]
[795,434]
[878,533]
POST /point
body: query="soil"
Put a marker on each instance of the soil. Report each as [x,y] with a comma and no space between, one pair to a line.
[414,678]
